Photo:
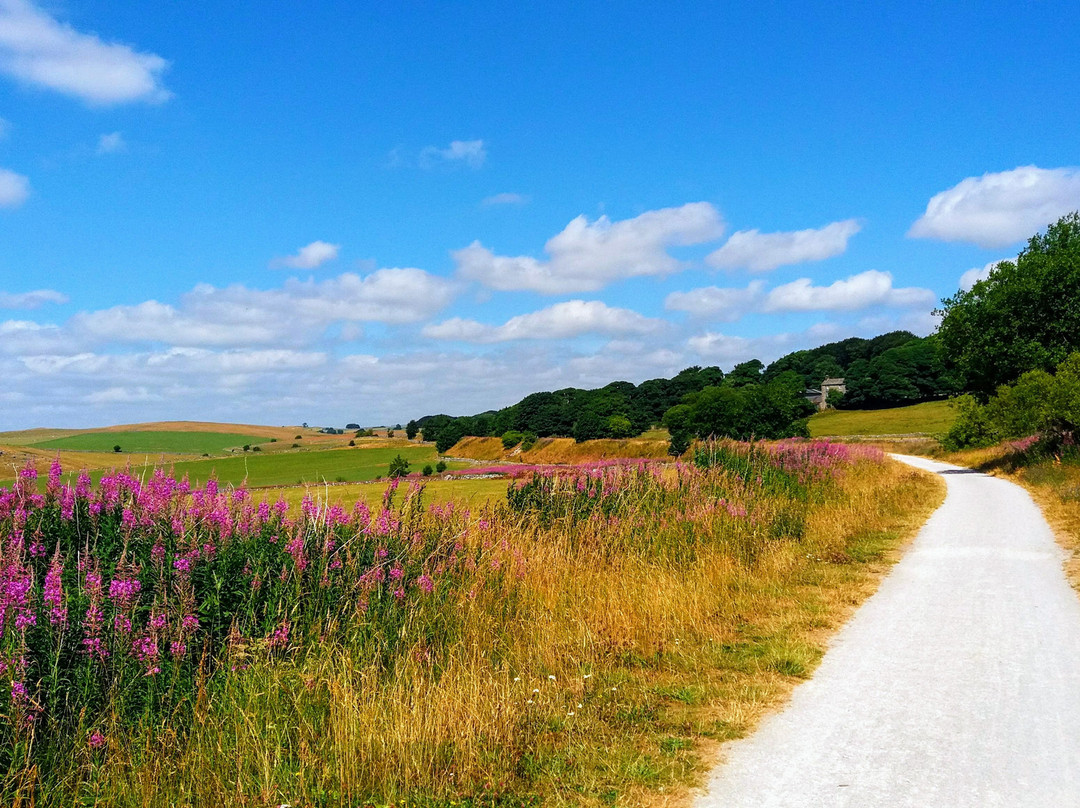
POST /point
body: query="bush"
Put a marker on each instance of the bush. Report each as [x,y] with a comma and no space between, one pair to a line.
[116,448]
[528,441]
[352,443]
[256,448]
[440,467]
[427,470]
[511,438]
[247,447]
[972,428]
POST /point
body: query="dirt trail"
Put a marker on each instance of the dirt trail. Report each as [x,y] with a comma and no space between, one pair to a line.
[956,684]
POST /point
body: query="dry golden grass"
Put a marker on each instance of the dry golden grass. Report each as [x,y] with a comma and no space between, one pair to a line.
[560,450]
[616,681]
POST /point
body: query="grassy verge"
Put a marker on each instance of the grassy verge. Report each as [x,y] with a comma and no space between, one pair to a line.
[589,641]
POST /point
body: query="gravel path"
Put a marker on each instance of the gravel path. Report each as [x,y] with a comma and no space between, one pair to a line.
[956,684]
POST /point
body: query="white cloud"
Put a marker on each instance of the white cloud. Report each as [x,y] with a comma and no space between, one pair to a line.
[995,210]
[310,256]
[122,395]
[715,303]
[573,318]
[14,188]
[31,300]
[870,288]
[470,152]
[39,50]
[506,199]
[761,252]
[296,313]
[112,143]
[587,256]
[728,350]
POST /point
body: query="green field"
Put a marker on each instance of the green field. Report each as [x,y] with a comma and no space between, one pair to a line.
[293,468]
[931,418]
[169,442]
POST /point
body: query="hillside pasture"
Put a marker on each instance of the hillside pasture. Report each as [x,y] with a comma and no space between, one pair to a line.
[297,468]
[929,418]
[170,442]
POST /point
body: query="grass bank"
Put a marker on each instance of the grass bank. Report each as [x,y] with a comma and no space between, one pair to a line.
[562,450]
[589,640]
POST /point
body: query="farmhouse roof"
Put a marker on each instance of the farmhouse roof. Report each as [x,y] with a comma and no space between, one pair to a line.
[827,382]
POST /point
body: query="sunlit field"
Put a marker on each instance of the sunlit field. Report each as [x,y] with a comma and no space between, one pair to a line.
[580,639]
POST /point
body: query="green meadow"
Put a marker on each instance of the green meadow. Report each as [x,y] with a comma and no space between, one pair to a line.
[930,418]
[139,441]
[297,468]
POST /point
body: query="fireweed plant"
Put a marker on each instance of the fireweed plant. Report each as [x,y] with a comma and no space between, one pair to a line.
[129,606]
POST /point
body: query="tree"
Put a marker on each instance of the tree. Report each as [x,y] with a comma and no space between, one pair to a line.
[745,373]
[411,429]
[116,448]
[399,467]
[679,421]
[1024,316]
[589,426]
[352,426]
[448,436]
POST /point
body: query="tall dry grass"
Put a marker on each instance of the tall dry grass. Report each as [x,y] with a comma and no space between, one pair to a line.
[625,631]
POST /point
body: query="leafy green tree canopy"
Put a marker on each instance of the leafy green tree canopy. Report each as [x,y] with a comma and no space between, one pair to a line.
[1024,316]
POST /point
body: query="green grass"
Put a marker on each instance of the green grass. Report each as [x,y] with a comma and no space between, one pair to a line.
[171,442]
[931,418]
[291,468]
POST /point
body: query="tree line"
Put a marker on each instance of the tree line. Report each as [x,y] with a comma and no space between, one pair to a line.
[751,400]
[1025,316]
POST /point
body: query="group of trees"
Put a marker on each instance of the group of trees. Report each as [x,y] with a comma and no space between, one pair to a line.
[894,368]
[1014,339]
[1024,317]
[775,409]
[617,410]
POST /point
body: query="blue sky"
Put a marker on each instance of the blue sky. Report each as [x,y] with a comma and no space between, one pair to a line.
[342,213]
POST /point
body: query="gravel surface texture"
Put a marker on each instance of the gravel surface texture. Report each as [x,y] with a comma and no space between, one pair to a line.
[956,684]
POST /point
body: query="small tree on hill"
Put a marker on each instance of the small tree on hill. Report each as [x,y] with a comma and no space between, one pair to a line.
[399,467]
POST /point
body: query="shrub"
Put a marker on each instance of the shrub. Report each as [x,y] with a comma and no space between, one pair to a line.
[247,447]
[972,428]
[427,471]
[352,443]
[256,448]
[440,467]
[511,438]
[116,448]
[528,441]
